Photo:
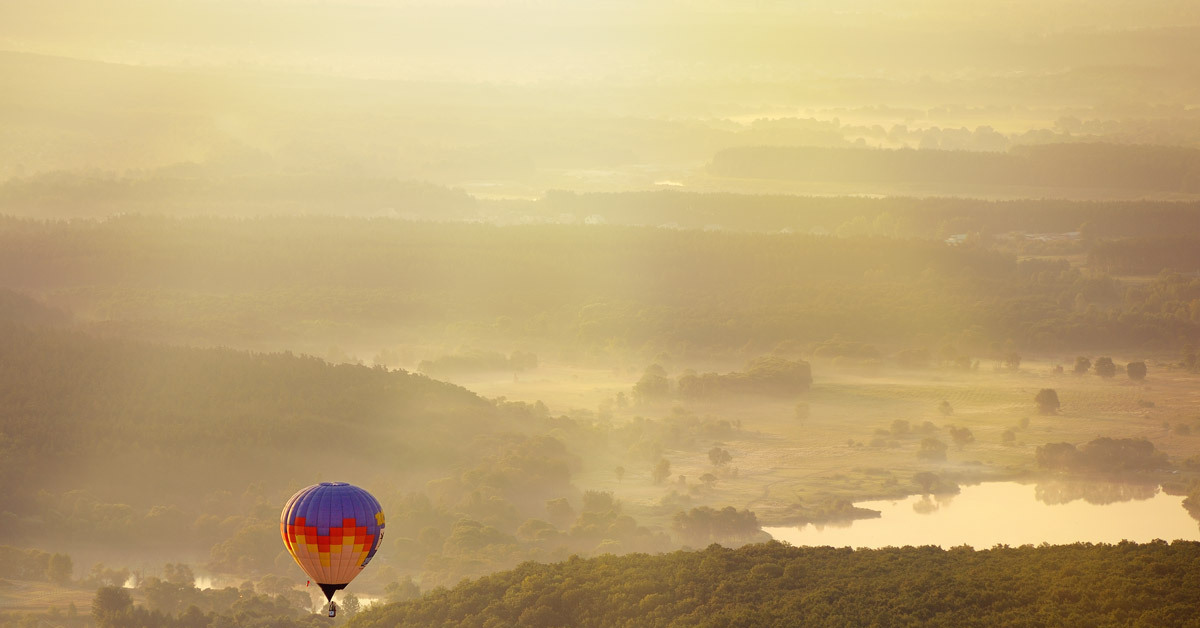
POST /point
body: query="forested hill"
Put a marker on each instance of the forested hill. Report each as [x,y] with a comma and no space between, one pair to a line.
[127,447]
[127,420]
[1128,584]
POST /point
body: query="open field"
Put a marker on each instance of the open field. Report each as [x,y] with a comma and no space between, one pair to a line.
[29,596]
[838,442]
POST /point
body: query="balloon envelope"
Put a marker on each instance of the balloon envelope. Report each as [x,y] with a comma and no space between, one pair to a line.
[332,529]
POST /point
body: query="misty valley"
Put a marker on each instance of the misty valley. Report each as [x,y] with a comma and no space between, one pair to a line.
[500,423]
[696,313]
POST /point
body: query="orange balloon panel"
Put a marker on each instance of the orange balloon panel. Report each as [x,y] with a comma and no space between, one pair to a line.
[332,529]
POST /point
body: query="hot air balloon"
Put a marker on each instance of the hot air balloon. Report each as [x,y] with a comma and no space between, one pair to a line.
[332,529]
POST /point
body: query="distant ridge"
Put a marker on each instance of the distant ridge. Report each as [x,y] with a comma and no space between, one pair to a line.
[1070,165]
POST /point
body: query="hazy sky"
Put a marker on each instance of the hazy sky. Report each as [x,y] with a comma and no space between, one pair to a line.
[530,40]
[504,79]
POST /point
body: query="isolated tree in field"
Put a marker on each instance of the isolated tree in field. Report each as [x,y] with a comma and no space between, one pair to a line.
[1105,368]
[933,483]
[620,471]
[1136,371]
[102,576]
[1082,365]
[662,471]
[179,574]
[961,436]
[925,480]
[719,456]
[778,376]
[1012,361]
[1047,401]
[1188,358]
[709,480]
[932,449]
[945,408]
[59,569]
[111,606]
[653,385]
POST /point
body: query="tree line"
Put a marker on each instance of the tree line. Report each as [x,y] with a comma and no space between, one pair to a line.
[773,585]
[893,216]
[1103,166]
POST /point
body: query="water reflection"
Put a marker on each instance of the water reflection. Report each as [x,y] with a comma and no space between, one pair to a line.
[928,504]
[1064,491]
[835,524]
[1056,512]
[925,506]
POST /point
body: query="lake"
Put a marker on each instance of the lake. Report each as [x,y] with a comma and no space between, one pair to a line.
[1056,512]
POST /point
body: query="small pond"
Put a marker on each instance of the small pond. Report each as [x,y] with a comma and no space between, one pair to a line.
[1056,512]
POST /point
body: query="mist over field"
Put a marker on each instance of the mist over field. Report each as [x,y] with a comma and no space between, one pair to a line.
[622,311]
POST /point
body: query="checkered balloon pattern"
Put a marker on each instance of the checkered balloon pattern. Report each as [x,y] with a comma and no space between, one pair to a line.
[332,529]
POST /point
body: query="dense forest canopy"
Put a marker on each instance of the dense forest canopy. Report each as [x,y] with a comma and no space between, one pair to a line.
[777,585]
[269,283]
[125,445]
[76,404]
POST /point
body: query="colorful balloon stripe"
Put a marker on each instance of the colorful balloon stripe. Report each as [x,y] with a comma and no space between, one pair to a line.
[332,530]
